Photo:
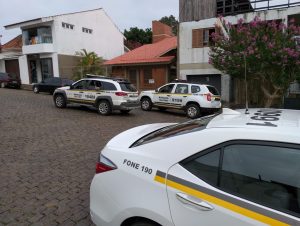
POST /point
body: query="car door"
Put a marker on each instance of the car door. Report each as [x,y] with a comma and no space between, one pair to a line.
[44,85]
[163,94]
[238,183]
[94,88]
[180,95]
[76,92]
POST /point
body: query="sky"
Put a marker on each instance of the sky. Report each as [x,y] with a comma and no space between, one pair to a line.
[124,13]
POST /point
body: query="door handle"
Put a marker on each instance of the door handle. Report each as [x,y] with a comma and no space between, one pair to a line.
[184,96]
[196,202]
[168,95]
[80,92]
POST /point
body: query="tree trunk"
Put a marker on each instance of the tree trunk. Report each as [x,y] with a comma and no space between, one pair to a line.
[270,97]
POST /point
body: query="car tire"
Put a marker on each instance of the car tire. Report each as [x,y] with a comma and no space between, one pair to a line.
[36,89]
[104,107]
[193,111]
[146,104]
[125,111]
[144,223]
[60,101]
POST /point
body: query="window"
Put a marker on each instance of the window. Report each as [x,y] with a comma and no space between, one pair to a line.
[81,84]
[133,76]
[47,68]
[108,86]
[174,130]
[128,87]
[180,88]
[196,89]
[147,75]
[68,26]
[262,173]
[87,30]
[95,85]
[206,167]
[213,90]
[202,37]
[166,88]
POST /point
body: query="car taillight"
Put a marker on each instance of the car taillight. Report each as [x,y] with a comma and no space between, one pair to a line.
[104,165]
[208,97]
[121,94]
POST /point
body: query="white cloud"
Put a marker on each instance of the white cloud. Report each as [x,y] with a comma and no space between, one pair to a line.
[125,13]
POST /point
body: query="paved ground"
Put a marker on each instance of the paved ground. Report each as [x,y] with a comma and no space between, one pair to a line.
[48,155]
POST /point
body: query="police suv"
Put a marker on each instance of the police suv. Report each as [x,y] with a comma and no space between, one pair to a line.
[104,93]
[231,169]
[194,99]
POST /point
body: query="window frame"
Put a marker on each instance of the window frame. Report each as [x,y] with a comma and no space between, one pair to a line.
[225,144]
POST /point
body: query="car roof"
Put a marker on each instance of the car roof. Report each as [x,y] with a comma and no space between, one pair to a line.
[266,119]
[187,83]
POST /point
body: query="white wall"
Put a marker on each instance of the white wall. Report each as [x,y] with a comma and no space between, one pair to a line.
[24,73]
[106,39]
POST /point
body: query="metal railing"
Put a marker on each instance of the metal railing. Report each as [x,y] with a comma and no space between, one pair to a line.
[233,7]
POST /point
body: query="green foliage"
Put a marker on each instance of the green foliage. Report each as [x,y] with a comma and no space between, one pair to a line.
[269,49]
[137,35]
[170,21]
[89,63]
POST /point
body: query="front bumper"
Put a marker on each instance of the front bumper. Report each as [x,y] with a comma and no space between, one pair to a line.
[129,105]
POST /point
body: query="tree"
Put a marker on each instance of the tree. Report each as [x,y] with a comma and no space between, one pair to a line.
[269,50]
[89,63]
[137,37]
[170,21]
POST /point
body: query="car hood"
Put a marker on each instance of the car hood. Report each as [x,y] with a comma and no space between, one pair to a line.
[128,137]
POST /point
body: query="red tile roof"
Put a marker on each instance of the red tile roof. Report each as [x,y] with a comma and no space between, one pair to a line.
[15,43]
[151,53]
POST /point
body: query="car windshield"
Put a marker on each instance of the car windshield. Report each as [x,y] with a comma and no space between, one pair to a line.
[175,130]
[213,90]
[127,87]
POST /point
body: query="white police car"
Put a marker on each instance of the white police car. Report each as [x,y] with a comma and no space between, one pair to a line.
[231,169]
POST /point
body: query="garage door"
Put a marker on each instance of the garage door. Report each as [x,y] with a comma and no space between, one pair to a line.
[211,79]
[12,67]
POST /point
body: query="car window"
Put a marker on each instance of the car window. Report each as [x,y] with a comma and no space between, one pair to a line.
[267,175]
[81,84]
[56,81]
[127,87]
[205,167]
[263,174]
[48,80]
[108,86]
[4,76]
[195,89]
[213,90]
[94,85]
[175,130]
[166,88]
[182,88]
[67,82]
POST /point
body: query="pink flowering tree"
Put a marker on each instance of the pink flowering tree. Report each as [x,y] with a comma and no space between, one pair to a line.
[269,49]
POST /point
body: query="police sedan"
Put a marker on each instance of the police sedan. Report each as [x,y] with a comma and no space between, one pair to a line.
[231,169]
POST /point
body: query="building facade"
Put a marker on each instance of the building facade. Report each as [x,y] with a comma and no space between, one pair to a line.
[196,27]
[49,44]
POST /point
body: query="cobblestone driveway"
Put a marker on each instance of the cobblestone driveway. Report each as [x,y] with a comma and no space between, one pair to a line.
[47,156]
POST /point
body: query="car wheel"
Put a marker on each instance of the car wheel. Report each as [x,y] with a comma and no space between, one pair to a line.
[144,223]
[124,111]
[193,111]
[60,101]
[36,89]
[104,107]
[146,104]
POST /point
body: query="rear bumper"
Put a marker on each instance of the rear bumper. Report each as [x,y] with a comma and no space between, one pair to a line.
[127,105]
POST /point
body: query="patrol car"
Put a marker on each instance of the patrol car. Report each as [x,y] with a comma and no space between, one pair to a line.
[104,93]
[194,99]
[231,169]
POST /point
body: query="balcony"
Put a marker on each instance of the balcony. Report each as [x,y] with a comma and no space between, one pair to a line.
[234,7]
[37,40]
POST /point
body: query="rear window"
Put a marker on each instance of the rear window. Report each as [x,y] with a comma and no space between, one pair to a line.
[175,130]
[213,90]
[108,86]
[127,87]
